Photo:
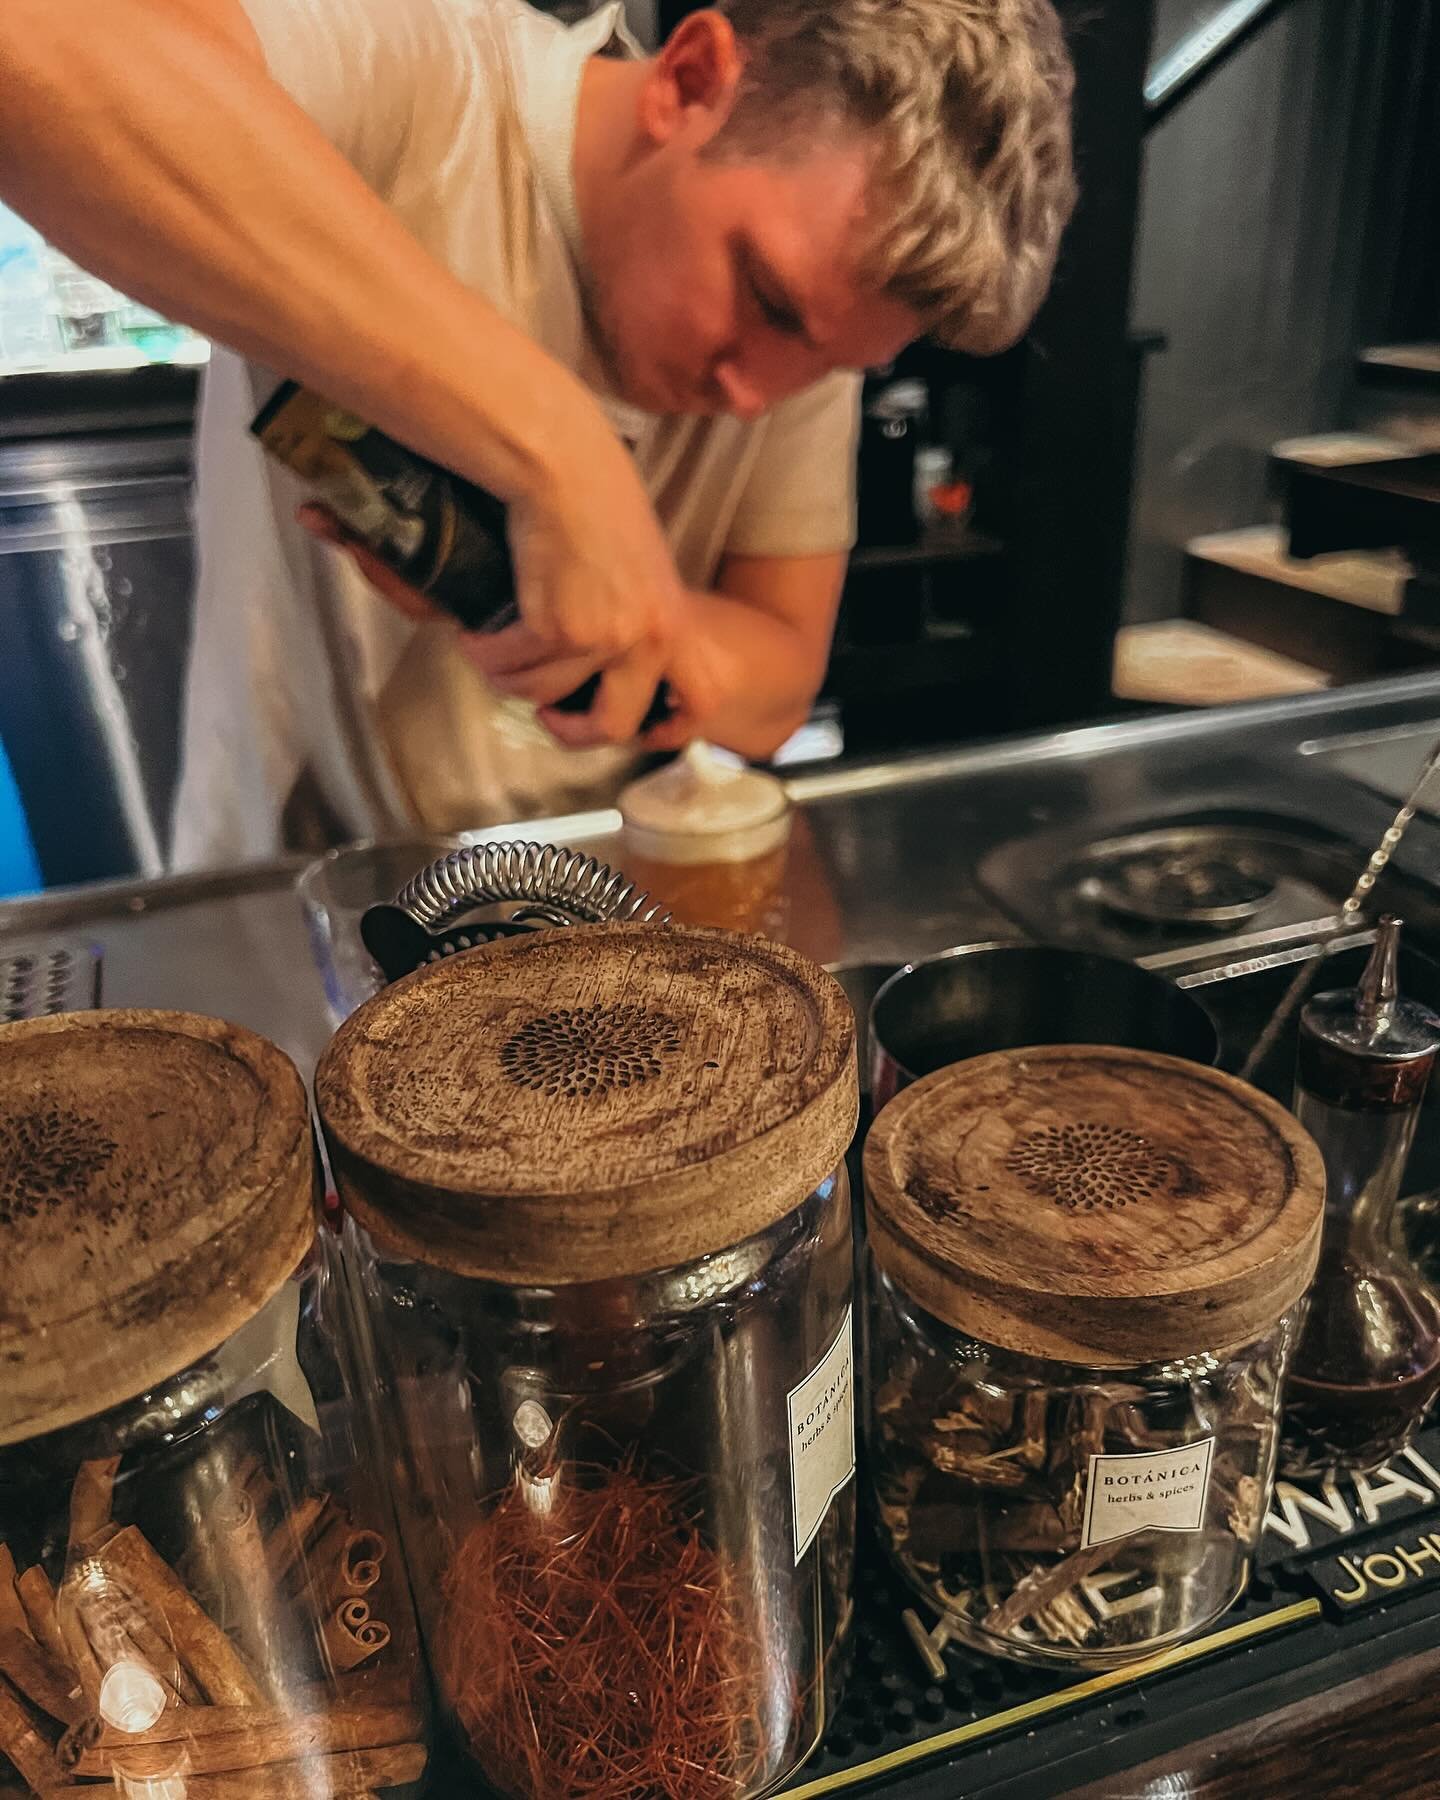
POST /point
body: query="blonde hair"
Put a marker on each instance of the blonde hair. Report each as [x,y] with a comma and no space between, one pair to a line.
[967,106]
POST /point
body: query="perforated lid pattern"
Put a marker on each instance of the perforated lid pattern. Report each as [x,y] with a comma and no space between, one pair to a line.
[46,1154]
[579,1051]
[578,1104]
[157,1186]
[1094,1205]
[1089,1164]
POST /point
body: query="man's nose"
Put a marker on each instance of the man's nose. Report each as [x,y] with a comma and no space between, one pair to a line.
[740,393]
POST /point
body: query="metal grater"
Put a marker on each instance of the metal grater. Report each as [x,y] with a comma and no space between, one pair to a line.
[48,976]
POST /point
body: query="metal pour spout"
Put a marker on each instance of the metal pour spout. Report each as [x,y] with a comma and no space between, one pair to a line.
[1368,1047]
[1379,986]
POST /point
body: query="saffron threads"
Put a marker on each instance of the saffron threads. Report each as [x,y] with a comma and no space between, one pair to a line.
[590,1645]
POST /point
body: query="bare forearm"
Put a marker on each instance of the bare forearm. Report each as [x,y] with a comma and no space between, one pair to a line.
[146,138]
[771,672]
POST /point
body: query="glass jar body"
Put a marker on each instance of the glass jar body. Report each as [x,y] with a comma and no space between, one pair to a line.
[1367,1365]
[628,1514]
[207,1583]
[1062,1515]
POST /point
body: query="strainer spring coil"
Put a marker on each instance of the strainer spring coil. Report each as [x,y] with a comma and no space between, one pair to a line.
[541,875]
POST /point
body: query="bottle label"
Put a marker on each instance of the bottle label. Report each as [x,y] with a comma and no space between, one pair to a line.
[1153,1490]
[443,535]
[822,1436]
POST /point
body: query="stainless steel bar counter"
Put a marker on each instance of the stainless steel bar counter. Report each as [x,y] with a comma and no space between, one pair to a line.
[895,859]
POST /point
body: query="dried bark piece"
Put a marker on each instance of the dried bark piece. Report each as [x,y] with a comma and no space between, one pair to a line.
[938,1528]
[79,1652]
[350,1636]
[112,1610]
[247,1582]
[351,1776]
[92,1504]
[219,1740]
[202,1646]
[40,1677]
[38,1599]
[1083,1436]
[22,1741]
[289,1544]
[1043,1586]
[1066,1620]
[1034,1438]
[12,1608]
[975,1459]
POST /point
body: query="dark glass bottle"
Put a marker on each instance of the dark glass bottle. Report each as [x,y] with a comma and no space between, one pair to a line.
[1368,1363]
[442,534]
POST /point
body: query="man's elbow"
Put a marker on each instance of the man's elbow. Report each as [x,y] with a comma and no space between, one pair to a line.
[760,741]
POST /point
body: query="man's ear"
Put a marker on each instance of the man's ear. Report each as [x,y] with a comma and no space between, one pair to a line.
[693,82]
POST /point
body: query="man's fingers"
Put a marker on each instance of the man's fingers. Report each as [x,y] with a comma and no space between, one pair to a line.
[320,522]
[547,683]
[517,650]
[626,691]
[674,734]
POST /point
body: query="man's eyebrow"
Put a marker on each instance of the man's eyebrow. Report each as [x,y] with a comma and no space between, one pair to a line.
[776,292]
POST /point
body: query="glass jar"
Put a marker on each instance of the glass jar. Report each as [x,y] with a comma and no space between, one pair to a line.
[200,1580]
[1086,1273]
[981,1465]
[1368,1363]
[596,1185]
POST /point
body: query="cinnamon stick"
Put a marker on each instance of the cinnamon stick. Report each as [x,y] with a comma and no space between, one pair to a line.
[22,1742]
[78,1651]
[350,1636]
[353,1776]
[12,1610]
[292,1538]
[201,1645]
[253,1478]
[43,1681]
[219,1740]
[373,1684]
[77,1738]
[91,1503]
[246,1572]
[361,1554]
[127,1650]
[117,1611]
[346,1563]
[38,1599]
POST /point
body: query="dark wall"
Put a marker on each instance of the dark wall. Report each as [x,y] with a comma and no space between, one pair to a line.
[1284,221]
[1066,455]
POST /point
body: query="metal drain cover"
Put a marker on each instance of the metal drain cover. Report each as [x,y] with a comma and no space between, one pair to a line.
[1183,887]
[38,979]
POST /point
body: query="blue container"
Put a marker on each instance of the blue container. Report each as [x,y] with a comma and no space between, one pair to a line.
[19,869]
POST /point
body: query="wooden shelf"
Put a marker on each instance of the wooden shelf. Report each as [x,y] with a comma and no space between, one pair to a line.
[933,548]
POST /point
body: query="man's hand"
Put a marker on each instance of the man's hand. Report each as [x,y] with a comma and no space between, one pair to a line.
[598,592]
[743,665]
[753,654]
[320,522]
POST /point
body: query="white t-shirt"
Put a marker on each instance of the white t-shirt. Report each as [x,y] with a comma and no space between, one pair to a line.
[461,115]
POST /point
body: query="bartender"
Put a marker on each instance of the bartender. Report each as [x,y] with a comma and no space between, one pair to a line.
[626,294]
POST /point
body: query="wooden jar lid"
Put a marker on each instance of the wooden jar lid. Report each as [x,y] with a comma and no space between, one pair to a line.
[590,1102]
[157,1186]
[1094,1205]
